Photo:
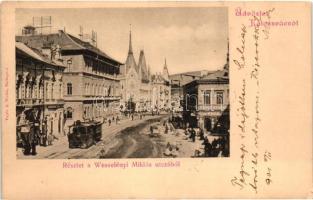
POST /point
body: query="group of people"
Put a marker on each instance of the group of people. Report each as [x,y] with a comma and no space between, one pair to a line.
[114,119]
[192,134]
[171,150]
[30,135]
[219,147]
[168,127]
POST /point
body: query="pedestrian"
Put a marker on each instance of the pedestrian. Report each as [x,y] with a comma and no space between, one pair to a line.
[201,134]
[166,129]
[117,119]
[43,134]
[33,139]
[151,130]
[51,138]
[168,151]
[109,122]
[101,154]
[25,129]
[132,117]
[193,135]
[171,128]
[207,148]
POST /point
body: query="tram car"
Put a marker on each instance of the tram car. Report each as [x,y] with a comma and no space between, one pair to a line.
[84,134]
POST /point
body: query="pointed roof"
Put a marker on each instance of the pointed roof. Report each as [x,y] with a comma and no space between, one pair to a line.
[165,71]
[143,67]
[130,48]
[226,66]
[130,60]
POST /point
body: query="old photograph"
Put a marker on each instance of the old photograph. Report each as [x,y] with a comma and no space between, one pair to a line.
[107,83]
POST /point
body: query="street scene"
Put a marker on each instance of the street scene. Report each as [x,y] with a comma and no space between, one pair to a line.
[117,83]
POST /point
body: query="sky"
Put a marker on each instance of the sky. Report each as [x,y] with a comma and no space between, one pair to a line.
[189,38]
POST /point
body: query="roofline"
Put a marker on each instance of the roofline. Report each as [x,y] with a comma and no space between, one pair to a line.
[68,35]
[211,81]
[84,48]
[41,60]
[190,73]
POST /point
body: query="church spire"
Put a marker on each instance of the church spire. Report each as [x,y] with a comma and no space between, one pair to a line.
[130,49]
[165,71]
[226,66]
[227,51]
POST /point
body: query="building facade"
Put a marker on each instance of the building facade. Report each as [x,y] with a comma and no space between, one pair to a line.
[91,81]
[39,88]
[161,90]
[135,82]
[206,101]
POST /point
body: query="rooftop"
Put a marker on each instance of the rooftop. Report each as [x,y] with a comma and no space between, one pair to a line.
[66,42]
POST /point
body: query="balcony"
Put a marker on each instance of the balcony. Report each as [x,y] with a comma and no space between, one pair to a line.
[28,102]
[99,97]
[212,107]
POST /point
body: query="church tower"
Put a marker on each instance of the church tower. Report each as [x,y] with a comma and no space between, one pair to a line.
[143,67]
[165,73]
[226,66]
[130,61]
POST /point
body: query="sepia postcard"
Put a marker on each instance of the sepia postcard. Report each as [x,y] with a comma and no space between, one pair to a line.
[162,100]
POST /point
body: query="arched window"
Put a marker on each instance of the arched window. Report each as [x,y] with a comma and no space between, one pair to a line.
[69,89]
[219,97]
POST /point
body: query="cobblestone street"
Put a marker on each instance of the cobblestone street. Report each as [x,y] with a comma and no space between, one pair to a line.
[60,149]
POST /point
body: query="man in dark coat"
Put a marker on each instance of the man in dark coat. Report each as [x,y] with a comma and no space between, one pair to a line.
[33,139]
[207,148]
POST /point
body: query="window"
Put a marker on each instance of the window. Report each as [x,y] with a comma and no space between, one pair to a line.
[60,91]
[69,64]
[52,95]
[39,91]
[105,92]
[207,97]
[69,89]
[69,113]
[85,112]
[23,91]
[219,97]
[47,91]
[35,91]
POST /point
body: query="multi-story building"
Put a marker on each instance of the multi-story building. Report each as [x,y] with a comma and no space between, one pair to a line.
[135,82]
[91,83]
[206,101]
[39,88]
[161,90]
[177,83]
